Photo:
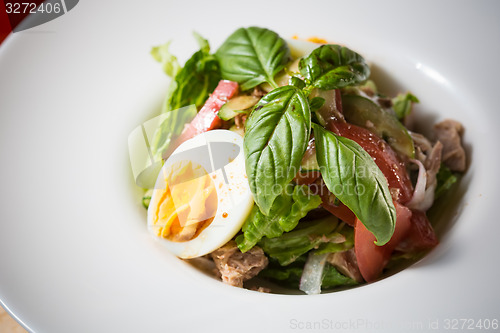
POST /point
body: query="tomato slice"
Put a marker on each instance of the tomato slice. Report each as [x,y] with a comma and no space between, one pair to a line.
[336,208]
[342,212]
[373,258]
[421,236]
[207,118]
[306,178]
[383,155]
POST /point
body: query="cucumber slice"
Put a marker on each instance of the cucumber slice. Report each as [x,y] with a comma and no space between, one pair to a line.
[363,112]
[236,105]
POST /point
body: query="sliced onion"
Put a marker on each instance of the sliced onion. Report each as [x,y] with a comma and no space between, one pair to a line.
[312,276]
[429,198]
[422,198]
[419,193]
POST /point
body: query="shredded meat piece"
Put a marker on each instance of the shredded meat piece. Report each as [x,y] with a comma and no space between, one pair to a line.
[385,102]
[261,289]
[346,263]
[430,157]
[240,120]
[432,163]
[449,132]
[236,267]
[422,146]
[258,92]
[368,91]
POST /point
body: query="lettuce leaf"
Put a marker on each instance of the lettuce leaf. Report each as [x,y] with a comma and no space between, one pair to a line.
[284,215]
[171,126]
[196,80]
[168,61]
[192,83]
[291,245]
[331,247]
[333,278]
[188,91]
[289,276]
[402,104]
[445,179]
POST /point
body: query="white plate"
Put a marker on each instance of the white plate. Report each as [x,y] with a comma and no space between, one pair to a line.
[75,254]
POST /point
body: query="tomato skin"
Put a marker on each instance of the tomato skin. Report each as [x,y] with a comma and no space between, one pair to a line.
[207,118]
[306,178]
[385,158]
[341,211]
[383,155]
[421,236]
[373,258]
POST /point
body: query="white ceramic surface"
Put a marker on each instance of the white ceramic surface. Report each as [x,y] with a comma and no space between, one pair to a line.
[75,253]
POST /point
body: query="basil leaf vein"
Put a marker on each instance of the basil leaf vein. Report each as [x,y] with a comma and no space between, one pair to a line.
[354,178]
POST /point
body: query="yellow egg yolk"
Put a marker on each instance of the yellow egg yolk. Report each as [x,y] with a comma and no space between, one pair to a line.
[186,205]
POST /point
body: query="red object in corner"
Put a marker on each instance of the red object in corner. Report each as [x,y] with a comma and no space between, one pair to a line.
[9,22]
[5,28]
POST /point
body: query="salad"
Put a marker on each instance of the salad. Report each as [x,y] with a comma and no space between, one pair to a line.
[285,167]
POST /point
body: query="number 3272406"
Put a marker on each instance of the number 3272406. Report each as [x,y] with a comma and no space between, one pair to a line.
[470,324]
[32,8]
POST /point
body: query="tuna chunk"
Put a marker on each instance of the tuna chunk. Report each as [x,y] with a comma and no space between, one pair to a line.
[236,267]
[346,263]
[449,133]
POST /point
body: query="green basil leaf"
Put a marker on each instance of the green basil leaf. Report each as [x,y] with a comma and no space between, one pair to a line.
[251,56]
[334,66]
[354,178]
[316,103]
[297,82]
[284,216]
[276,137]
[196,80]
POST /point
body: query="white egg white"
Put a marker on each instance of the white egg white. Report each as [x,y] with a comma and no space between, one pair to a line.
[233,192]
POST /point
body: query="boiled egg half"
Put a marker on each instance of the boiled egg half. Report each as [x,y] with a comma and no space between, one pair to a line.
[202,197]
